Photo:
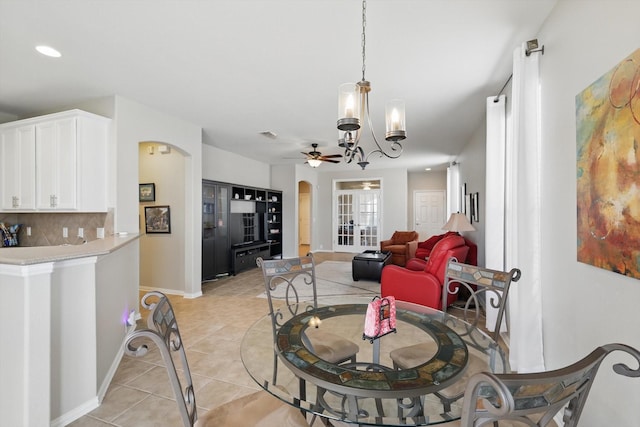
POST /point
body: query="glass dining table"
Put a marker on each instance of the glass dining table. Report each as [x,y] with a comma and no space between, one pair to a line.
[370,391]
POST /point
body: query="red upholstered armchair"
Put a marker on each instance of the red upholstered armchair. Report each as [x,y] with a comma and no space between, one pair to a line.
[402,245]
[425,248]
[421,281]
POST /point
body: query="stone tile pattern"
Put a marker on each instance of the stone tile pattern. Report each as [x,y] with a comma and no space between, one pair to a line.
[46,228]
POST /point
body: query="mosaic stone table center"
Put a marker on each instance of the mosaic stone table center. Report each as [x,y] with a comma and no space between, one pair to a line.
[370,391]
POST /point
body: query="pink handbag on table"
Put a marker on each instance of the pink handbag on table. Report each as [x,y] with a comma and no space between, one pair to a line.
[380,318]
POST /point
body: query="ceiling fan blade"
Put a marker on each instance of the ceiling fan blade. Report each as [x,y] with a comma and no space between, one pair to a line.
[332,156]
[330,161]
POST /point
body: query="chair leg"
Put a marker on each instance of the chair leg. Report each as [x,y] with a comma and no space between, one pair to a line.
[302,385]
[275,368]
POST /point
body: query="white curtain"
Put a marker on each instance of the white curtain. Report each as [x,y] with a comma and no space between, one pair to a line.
[495,184]
[453,189]
[522,215]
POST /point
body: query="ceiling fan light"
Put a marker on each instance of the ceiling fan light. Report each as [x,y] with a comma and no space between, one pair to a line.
[314,163]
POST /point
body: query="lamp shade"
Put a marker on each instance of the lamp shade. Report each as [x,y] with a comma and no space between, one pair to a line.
[458,222]
[349,107]
[394,114]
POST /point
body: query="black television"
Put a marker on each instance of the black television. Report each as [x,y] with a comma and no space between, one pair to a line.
[245,228]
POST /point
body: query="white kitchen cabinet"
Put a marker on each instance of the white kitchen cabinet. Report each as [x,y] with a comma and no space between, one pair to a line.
[17,168]
[68,166]
[56,158]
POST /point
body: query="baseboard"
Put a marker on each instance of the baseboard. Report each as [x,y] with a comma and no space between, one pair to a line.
[172,292]
[78,412]
[164,291]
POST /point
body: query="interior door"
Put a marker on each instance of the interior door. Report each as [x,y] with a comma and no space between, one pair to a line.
[357,220]
[429,212]
[304,223]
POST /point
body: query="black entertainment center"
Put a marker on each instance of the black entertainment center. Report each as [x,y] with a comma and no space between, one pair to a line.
[240,224]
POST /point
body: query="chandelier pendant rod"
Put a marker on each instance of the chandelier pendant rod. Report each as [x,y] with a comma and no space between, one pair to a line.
[351,144]
[363,40]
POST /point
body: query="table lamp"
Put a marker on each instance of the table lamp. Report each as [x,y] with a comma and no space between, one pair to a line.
[458,222]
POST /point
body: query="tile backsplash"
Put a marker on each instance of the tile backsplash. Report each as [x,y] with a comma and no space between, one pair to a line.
[46,228]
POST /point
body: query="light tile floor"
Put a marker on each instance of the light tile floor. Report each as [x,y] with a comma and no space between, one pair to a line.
[212,328]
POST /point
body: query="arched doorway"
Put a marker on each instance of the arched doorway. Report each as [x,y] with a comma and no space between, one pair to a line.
[304,217]
[162,266]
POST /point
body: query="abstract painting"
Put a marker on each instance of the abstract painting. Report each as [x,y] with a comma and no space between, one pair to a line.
[608,169]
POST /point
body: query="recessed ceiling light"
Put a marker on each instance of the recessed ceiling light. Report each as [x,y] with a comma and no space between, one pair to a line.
[269,134]
[427,169]
[48,51]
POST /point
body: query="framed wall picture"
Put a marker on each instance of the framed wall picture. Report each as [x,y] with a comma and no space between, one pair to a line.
[157,219]
[475,204]
[463,196]
[147,192]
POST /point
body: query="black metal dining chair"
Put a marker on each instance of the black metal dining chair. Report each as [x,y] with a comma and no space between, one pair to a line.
[256,409]
[295,280]
[477,288]
[534,399]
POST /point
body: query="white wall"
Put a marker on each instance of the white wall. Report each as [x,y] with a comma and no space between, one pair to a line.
[394,202]
[583,306]
[136,123]
[116,298]
[472,172]
[284,178]
[223,166]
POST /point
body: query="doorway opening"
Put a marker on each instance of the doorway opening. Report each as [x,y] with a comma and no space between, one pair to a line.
[304,218]
[357,215]
[163,263]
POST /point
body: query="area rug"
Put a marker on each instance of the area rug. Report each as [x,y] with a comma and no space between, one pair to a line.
[333,278]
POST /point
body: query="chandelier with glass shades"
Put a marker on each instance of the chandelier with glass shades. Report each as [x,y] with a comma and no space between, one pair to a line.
[353,108]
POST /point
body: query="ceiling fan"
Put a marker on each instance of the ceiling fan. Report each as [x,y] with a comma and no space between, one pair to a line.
[314,157]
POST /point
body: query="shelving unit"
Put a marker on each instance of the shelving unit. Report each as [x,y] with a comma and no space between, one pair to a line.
[248,193]
[244,257]
[274,223]
[252,228]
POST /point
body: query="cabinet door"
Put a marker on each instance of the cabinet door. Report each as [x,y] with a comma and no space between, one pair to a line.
[215,230]
[17,174]
[222,229]
[56,175]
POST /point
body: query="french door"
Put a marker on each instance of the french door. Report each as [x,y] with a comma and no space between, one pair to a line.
[356,220]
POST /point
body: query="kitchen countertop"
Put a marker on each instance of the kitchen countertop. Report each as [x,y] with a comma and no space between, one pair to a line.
[28,255]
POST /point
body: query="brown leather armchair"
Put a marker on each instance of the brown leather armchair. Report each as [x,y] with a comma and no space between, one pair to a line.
[402,245]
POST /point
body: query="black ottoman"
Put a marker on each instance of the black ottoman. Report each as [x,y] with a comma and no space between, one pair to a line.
[369,265]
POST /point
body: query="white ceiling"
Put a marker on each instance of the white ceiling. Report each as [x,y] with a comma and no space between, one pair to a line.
[239,67]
